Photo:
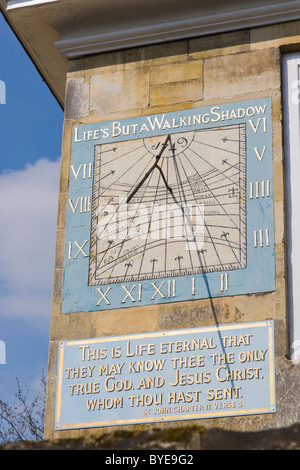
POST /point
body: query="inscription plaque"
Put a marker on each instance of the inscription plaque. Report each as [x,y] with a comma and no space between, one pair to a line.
[165,376]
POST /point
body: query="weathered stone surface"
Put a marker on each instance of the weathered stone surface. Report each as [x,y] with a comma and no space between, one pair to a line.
[235,74]
[77,98]
[219,44]
[179,438]
[279,35]
[178,92]
[119,91]
[177,72]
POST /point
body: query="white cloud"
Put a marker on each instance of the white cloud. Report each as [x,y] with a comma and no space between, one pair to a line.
[28,214]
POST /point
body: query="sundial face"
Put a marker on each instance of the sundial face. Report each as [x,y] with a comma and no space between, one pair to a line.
[170,207]
[199,226]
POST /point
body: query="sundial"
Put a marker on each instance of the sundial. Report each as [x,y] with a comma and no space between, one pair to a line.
[170,207]
[184,199]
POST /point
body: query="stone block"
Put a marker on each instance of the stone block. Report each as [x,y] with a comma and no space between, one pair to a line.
[278,181]
[231,75]
[178,92]
[77,98]
[219,44]
[119,91]
[177,72]
[155,55]
[117,323]
[277,35]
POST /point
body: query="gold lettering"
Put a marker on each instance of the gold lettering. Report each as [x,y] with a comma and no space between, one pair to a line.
[128,292]
[157,290]
[260,155]
[103,295]
[224,282]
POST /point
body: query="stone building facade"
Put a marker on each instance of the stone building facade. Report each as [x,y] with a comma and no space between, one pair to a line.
[204,70]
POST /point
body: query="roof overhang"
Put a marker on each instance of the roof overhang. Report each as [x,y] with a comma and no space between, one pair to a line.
[55,31]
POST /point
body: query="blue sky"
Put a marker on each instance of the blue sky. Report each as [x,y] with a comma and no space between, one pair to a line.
[30,144]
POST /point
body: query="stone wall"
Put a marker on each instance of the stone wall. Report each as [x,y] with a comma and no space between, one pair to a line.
[184,74]
[166,441]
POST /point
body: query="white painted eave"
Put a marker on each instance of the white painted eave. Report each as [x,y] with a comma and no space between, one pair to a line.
[158,32]
[13,4]
[55,31]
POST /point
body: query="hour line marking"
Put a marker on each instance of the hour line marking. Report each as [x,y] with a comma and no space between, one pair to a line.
[196,180]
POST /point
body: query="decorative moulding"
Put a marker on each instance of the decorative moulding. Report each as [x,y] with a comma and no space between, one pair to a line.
[138,35]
